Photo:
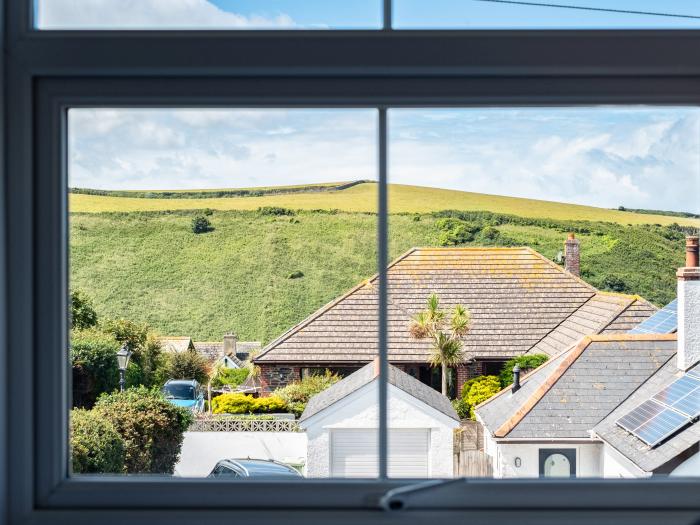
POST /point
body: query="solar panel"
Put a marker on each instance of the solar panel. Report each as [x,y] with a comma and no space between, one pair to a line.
[665,321]
[683,395]
[652,422]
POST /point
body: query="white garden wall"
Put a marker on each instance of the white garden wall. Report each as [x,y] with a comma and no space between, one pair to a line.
[202,450]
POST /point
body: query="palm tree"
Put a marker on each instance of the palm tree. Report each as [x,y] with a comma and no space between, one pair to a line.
[446,351]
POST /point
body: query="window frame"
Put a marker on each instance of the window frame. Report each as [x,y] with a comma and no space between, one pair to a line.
[49,71]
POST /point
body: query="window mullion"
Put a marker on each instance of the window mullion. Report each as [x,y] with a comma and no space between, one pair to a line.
[382,263]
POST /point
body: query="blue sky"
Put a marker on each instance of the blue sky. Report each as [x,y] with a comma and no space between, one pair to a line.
[636,157]
[354,14]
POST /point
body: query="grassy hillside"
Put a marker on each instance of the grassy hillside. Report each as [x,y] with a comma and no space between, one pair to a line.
[363,198]
[149,266]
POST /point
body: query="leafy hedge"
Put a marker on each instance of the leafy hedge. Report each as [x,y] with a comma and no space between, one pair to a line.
[184,365]
[247,404]
[83,313]
[296,395]
[476,391]
[525,362]
[95,444]
[230,376]
[152,428]
[94,359]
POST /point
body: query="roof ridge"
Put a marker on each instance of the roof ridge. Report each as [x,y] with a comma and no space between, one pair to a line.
[562,270]
[537,395]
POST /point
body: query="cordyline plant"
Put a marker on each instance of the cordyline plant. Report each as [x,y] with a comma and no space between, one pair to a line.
[444,331]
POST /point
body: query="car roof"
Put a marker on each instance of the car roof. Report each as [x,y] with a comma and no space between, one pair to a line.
[181,382]
[261,467]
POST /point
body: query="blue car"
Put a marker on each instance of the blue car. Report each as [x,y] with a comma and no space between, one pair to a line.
[184,393]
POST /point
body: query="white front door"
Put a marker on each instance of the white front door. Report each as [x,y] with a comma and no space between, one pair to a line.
[354,453]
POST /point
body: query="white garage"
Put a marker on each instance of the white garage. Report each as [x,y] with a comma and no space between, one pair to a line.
[341,424]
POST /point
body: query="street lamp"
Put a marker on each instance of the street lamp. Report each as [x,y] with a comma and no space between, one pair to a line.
[123,356]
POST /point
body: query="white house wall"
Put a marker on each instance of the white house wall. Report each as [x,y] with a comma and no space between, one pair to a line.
[615,465]
[504,454]
[361,410]
[202,450]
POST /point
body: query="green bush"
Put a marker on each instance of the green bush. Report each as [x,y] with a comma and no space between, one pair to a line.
[184,365]
[615,284]
[83,314]
[95,444]
[461,407]
[490,233]
[525,362]
[230,376]
[297,394]
[144,346]
[247,404]
[94,361]
[480,390]
[455,231]
[152,428]
[200,224]
[275,211]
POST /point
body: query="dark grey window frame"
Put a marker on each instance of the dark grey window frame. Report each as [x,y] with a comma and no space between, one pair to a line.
[48,72]
[569,453]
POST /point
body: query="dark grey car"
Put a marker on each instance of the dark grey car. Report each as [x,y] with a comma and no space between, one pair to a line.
[253,468]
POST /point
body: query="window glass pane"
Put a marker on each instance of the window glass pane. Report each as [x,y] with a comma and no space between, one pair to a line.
[210,247]
[535,14]
[207,14]
[550,239]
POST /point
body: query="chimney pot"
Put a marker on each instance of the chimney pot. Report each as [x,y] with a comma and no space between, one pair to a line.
[692,251]
[572,255]
[230,340]
[516,379]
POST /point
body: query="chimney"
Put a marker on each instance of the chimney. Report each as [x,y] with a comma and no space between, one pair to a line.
[689,306]
[572,258]
[230,344]
[516,379]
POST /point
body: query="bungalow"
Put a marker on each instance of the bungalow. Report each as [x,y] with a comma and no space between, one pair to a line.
[230,351]
[614,405]
[341,425]
[520,302]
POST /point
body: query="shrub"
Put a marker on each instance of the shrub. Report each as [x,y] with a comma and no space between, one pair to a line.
[483,388]
[614,283]
[185,365]
[461,407]
[275,211]
[94,360]
[152,428]
[95,444]
[230,376]
[246,404]
[129,332]
[200,224]
[525,362]
[296,275]
[455,231]
[490,233]
[208,212]
[297,394]
[83,314]
[144,345]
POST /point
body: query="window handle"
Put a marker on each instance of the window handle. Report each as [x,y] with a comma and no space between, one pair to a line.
[423,494]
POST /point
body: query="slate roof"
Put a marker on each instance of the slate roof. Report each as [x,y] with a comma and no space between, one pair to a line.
[211,350]
[520,302]
[369,373]
[176,343]
[570,394]
[646,458]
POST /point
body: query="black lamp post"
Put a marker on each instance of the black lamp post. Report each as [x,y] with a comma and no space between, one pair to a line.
[123,356]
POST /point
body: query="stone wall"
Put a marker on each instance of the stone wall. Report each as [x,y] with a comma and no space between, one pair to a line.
[277,376]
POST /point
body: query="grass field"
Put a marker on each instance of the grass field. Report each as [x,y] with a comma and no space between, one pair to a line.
[151,267]
[363,198]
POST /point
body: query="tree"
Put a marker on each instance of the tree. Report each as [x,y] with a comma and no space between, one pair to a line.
[144,345]
[83,314]
[444,334]
[200,224]
[186,365]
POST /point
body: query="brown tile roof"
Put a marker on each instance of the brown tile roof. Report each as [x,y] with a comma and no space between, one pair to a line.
[176,343]
[520,301]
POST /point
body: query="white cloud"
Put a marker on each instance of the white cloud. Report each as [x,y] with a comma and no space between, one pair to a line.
[145,14]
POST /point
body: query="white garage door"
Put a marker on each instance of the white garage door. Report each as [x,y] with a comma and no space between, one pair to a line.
[354,453]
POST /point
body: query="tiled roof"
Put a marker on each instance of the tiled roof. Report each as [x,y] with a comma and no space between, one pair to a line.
[646,458]
[176,343]
[211,350]
[369,373]
[570,394]
[519,301]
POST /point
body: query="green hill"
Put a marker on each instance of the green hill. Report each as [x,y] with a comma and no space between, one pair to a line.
[149,266]
[362,198]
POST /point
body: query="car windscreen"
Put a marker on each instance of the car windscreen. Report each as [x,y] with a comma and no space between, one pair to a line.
[260,469]
[179,391]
